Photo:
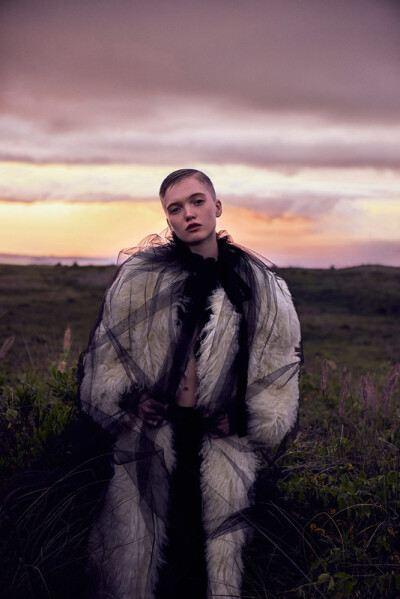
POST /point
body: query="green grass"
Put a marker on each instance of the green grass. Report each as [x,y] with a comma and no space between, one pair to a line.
[349,315]
[37,304]
[328,517]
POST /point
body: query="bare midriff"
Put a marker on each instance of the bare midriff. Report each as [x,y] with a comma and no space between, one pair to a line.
[186,396]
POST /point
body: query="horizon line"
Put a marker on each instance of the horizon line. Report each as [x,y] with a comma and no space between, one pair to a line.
[50,260]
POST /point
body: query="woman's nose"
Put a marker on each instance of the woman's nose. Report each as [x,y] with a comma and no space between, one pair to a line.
[189,212]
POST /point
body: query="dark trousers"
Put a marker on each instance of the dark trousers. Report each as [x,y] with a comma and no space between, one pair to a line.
[184,575]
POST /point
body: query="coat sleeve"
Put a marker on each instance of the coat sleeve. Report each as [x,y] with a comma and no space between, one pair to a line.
[274,364]
[105,373]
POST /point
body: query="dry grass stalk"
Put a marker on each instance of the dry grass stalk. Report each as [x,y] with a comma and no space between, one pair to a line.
[391,384]
[373,398]
[324,377]
[364,392]
[369,394]
[61,366]
[67,340]
[6,346]
[343,392]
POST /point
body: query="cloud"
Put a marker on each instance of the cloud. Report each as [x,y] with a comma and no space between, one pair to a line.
[206,135]
[101,229]
[294,240]
[286,83]
[340,59]
[342,255]
[291,107]
[89,198]
[310,192]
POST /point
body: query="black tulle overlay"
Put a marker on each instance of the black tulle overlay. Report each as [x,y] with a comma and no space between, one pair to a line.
[181,284]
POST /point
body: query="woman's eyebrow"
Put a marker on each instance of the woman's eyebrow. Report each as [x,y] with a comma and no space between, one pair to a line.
[196,195]
[191,197]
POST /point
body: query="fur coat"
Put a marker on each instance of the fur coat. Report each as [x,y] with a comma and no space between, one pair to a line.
[127,353]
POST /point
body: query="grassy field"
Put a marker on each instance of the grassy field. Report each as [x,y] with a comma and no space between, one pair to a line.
[38,303]
[350,316]
[327,523]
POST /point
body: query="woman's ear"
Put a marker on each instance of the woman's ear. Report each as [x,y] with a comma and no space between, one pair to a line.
[218,205]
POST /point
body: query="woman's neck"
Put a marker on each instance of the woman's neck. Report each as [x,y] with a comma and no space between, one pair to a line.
[207,249]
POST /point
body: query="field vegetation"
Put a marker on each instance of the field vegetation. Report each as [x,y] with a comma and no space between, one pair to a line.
[327,522]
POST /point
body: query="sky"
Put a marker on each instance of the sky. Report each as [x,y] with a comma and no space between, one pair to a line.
[292,107]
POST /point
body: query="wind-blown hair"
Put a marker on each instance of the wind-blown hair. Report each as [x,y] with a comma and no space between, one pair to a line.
[184,173]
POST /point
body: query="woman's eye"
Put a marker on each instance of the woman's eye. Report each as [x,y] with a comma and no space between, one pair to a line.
[174,211]
[199,201]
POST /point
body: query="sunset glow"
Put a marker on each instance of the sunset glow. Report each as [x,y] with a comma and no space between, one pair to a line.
[76,229]
[304,157]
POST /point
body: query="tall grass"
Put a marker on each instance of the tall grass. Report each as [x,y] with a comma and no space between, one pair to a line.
[54,464]
[334,510]
[327,516]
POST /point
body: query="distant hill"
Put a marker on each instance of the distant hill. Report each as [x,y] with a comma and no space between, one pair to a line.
[24,260]
[369,289]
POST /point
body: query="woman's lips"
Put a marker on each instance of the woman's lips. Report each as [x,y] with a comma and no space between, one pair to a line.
[193,227]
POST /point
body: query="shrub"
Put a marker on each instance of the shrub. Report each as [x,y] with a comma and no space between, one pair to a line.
[331,526]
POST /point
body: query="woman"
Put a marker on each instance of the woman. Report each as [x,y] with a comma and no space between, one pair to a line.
[192,365]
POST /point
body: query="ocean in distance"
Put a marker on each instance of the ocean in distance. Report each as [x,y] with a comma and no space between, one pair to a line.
[22,260]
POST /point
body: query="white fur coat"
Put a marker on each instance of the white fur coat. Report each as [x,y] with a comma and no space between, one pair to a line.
[125,550]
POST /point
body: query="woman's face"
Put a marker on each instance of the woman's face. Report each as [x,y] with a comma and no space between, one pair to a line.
[191,212]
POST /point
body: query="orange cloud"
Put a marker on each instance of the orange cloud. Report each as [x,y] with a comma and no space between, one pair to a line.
[99,229]
[287,240]
[256,228]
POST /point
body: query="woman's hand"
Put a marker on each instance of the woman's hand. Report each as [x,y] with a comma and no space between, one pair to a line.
[152,412]
[219,426]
